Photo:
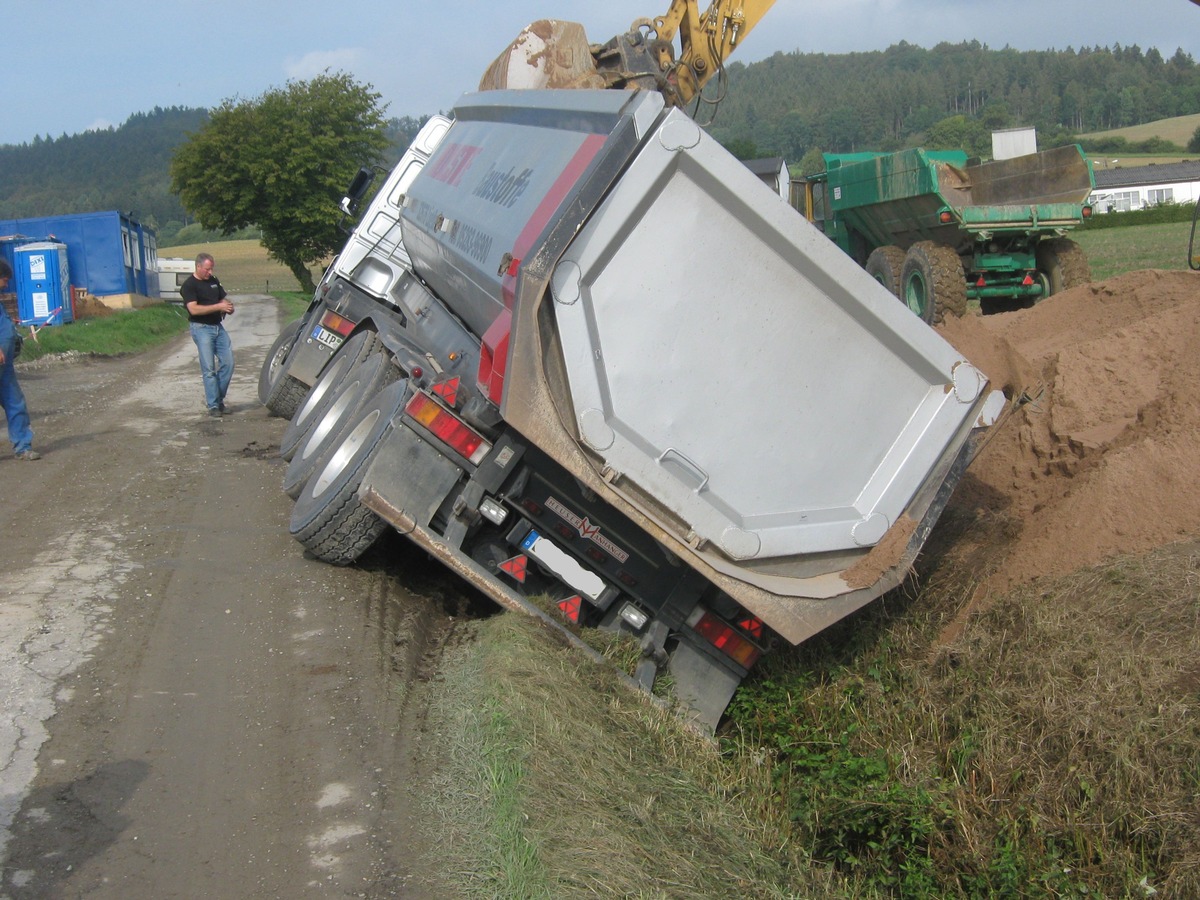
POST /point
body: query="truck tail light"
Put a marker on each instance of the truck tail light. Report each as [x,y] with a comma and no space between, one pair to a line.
[333,322]
[448,428]
[725,638]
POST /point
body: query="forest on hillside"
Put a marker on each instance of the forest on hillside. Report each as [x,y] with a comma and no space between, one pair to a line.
[950,97]
[791,105]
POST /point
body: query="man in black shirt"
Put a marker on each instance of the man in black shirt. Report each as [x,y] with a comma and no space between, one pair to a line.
[206,304]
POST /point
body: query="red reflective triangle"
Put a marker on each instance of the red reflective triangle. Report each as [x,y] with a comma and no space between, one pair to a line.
[448,390]
[516,567]
[570,607]
[752,626]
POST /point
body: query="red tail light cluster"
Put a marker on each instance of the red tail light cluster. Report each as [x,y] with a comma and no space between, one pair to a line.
[725,638]
[334,322]
[448,428]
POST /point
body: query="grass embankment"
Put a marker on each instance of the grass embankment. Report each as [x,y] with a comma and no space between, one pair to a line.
[128,331]
[1051,750]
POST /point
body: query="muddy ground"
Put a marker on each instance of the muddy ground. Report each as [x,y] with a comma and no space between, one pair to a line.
[190,707]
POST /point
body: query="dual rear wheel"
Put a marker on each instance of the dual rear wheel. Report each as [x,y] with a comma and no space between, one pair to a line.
[928,279]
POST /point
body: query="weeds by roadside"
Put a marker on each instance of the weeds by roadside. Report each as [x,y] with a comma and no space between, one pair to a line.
[1048,749]
[124,332]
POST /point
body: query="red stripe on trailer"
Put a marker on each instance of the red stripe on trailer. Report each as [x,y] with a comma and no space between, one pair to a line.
[493,358]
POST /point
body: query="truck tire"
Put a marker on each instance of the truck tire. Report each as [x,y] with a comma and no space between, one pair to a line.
[328,518]
[360,386]
[885,265]
[1063,263]
[932,282]
[349,356]
[275,364]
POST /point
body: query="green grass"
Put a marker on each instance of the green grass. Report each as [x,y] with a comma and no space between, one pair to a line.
[552,781]
[1114,251]
[128,331]
[293,304]
[1051,750]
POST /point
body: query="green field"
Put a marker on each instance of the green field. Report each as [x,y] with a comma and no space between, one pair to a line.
[243,266]
[1114,251]
[1178,130]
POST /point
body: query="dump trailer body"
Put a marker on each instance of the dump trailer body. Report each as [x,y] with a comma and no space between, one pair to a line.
[666,330]
[900,198]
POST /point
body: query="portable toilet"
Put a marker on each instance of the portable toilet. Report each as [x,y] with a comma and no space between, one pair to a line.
[43,285]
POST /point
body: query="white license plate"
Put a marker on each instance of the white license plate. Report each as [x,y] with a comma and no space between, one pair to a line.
[330,339]
[564,566]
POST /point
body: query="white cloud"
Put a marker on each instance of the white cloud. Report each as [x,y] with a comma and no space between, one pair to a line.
[99,125]
[312,64]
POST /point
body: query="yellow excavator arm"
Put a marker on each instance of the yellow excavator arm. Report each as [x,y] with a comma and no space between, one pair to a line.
[551,53]
[706,38]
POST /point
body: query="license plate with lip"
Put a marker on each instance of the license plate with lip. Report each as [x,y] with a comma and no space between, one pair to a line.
[330,339]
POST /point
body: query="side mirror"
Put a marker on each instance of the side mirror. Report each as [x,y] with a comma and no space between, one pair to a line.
[356,191]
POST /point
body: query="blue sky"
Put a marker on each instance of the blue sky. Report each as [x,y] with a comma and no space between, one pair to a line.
[80,64]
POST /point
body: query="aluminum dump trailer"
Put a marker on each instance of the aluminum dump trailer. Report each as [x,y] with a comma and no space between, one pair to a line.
[629,378]
[997,227]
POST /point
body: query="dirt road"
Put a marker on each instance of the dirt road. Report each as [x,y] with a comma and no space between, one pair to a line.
[190,707]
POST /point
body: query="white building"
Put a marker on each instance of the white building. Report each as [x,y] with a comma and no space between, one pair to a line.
[1134,187]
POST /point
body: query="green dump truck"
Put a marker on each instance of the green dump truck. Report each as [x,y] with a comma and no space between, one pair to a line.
[938,229]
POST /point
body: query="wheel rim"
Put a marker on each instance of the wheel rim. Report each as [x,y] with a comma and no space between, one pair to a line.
[317,394]
[345,453]
[332,417]
[916,294]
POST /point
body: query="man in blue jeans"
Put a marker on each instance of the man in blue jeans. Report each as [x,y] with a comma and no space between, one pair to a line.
[11,396]
[207,305]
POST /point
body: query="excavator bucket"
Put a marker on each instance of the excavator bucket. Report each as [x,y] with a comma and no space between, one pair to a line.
[548,53]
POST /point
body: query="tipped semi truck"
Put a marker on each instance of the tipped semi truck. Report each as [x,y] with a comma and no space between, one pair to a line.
[589,362]
[937,229]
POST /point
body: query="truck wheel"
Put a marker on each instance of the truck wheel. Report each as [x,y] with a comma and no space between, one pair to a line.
[275,363]
[329,519]
[885,264]
[932,282]
[1063,263]
[332,377]
[356,389]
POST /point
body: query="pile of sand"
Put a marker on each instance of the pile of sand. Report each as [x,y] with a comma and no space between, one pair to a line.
[1104,459]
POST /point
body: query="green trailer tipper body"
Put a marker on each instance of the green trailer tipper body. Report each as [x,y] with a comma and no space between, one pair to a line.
[1005,219]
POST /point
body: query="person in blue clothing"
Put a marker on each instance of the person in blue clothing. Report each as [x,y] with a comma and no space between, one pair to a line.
[11,396]
[207,305]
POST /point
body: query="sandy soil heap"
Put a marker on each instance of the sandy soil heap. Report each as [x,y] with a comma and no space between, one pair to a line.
[1104,459]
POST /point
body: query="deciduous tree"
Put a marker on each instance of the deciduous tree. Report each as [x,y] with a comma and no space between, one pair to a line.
[281,162]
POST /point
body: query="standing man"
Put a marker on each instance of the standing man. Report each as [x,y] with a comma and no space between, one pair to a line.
[11,396]
[206,305]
